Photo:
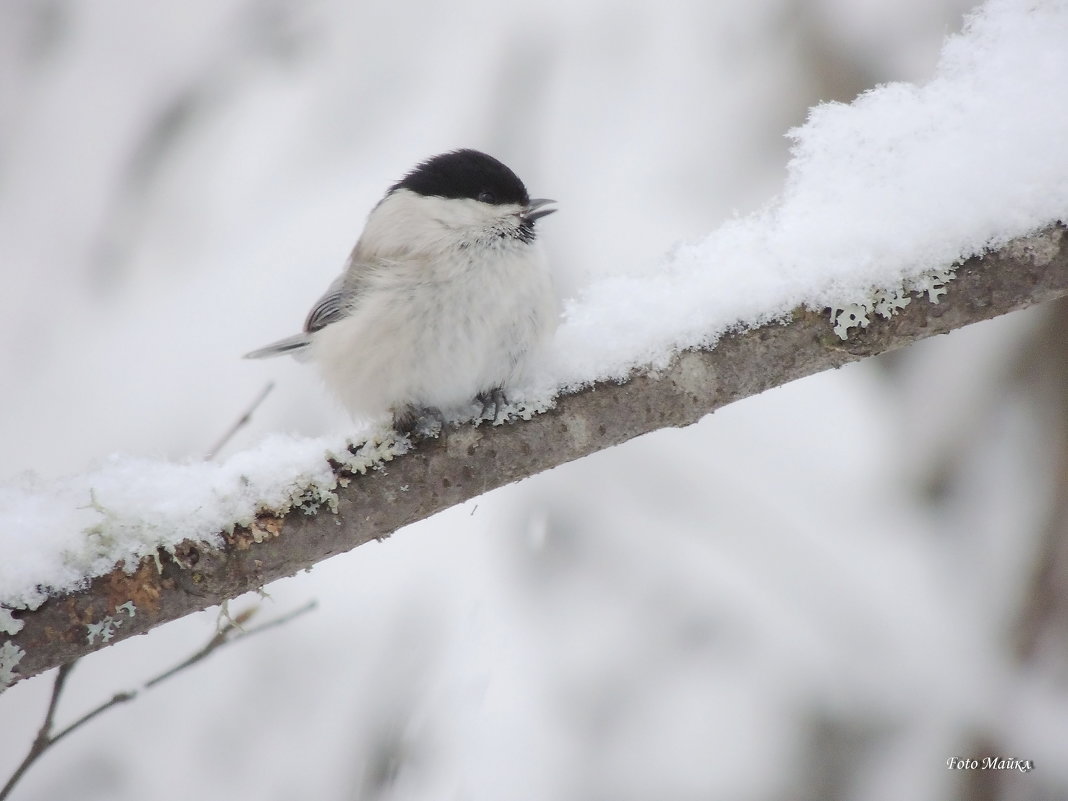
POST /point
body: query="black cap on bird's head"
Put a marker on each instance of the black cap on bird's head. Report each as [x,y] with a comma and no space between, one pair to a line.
[465,174]
[472,174]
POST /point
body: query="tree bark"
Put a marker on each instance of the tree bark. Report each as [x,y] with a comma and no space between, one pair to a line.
[470,461]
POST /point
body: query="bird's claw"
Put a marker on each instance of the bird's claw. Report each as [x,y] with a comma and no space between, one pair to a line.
[421,423]
[495,399]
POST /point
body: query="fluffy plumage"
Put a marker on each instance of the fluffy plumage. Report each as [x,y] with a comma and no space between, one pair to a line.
[445,298]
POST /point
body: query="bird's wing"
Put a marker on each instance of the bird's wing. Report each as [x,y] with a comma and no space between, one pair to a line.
[335,304]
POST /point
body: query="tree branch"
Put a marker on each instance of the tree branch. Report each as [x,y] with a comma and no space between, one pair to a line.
[470,461]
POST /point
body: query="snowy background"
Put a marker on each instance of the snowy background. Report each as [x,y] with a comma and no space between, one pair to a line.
[824,591]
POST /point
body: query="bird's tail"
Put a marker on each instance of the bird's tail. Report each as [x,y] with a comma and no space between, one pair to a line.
[295,345]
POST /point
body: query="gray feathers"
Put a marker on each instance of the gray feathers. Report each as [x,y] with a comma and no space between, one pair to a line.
[334,305]
[293,346]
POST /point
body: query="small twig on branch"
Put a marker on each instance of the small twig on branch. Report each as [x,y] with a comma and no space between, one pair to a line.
[241,422]
[44,735]
[223,637]
[230,631]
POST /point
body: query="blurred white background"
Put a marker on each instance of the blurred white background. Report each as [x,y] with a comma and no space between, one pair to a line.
[822,592]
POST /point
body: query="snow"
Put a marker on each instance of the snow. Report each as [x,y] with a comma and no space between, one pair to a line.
[905,179]
[59,534]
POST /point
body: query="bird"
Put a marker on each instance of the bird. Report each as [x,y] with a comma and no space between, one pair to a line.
[445,302]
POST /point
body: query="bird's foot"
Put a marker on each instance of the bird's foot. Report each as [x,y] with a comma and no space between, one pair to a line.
[494,399]
[419,422]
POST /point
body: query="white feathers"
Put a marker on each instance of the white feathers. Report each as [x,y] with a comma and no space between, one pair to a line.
[442,299]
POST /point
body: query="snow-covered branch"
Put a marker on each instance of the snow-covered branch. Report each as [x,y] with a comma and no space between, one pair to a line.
[472,460]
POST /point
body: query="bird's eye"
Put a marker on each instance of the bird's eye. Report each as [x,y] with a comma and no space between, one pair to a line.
[485,196]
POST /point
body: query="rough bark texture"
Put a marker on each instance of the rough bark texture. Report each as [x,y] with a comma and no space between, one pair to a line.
[471,461]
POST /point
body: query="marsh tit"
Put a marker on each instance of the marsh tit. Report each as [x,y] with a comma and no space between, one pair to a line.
[444,301]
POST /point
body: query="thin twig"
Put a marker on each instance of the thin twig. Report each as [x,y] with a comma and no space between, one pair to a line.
[118,698]
[241,422]
[44,735]
[230,631]
[53,702]
[223,638]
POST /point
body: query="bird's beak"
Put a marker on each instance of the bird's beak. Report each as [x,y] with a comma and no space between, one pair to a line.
[535,209]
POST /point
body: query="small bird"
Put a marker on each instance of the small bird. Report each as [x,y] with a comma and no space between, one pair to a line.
[444,301]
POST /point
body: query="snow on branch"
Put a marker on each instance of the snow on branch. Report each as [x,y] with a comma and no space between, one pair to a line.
[343,509]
